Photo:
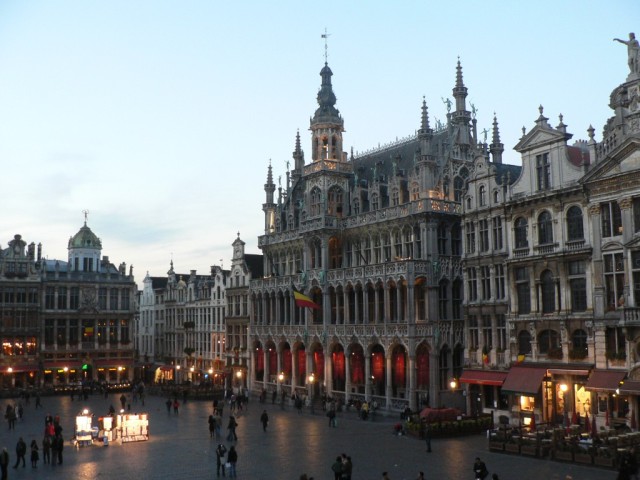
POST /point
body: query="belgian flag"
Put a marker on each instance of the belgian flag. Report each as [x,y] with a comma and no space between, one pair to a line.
[303,301]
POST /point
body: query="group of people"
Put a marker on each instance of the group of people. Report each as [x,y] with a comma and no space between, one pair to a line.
[230,464]
[342,467]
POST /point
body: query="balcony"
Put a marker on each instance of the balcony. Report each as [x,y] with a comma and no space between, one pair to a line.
[546,249]
[521,252]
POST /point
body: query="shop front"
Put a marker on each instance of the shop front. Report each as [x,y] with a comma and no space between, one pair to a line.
[524,384]
[610,398]
[484,391]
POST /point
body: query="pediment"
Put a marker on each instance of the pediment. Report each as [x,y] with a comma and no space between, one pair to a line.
[537,137]
[624,161]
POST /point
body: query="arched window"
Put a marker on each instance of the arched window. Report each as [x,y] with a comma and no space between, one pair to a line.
[375,202]
[458,189]
[575,229]
[548,341]
[442,238]
[316,201]
[524,342]
[334,205]
[496,196]
[395,197]
[356,206]
[520,232]
[444,368]
[482,196]
[548,292]
[415,192]
[443,300]
[545,228]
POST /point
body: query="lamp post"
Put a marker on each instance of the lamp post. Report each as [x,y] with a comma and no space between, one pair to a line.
[177,374]
[311,381]
[239,383]
[280,381]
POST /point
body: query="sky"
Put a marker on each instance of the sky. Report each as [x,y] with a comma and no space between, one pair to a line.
[160,117]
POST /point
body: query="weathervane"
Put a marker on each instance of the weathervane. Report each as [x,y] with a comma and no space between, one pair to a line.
[325,35]
[86,213]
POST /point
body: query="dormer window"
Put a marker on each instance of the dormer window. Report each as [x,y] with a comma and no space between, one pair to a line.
[482,196]
[543,171]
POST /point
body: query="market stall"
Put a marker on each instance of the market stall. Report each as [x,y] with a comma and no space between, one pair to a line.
[85,432]
[133,427]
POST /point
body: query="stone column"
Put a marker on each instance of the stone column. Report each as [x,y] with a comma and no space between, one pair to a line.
[367,376]
[413,381]
[596,274]
[347,375]
[265,375]
[294,370]
[389,380]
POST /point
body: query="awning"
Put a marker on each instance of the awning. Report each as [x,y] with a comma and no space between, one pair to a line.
[579,372]
[605,380]
[524,380]
[483,377]
[630,387]
[166,368]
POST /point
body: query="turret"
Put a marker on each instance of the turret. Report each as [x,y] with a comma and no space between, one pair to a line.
[298,160]
[326,125]
[269,208]
[496,148]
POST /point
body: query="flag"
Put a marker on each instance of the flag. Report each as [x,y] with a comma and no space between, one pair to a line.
[520,358]
[303,301]
[485,358]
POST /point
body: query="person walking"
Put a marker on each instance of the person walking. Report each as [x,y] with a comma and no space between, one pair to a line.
[264,418]
[212,426]
[427,436]
[232,459]
[231,427]
[46,449]
[176,406]
[123,401]
[38,403]
[168,403]
[480,469]
[221,451]
[347,468]
[21,451]
[35,454]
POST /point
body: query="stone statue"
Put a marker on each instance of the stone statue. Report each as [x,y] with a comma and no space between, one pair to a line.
[473,110]
[633,52]
[448,103]
[484,133]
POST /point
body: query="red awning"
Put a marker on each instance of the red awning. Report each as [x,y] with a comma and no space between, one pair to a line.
[630,387]
[605,380]
[483,377]
[524,380]
[166,368]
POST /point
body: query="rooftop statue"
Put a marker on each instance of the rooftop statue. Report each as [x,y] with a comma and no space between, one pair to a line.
[633,52]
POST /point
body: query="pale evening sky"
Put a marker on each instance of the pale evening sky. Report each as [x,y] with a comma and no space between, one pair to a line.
[160,117]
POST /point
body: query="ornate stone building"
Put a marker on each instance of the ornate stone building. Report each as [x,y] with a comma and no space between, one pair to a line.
[375,240]
[552,282]
[65,321]
[196,329]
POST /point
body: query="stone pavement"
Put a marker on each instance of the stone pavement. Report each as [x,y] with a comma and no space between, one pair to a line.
[180,447]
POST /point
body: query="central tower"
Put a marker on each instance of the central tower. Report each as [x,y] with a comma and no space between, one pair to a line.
[327,125]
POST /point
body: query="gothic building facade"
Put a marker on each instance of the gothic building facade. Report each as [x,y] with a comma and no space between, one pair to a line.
[375,240]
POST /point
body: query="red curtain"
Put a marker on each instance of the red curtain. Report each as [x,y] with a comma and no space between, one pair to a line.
[338,365]
[377,367]
[286,362]
[273,362]
[302,363]
[422,363]
[398,369]
[357,368]
[259,360]
[318,361]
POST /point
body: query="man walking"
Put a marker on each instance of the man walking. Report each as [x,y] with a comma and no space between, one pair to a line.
[21,451]
[4,463]
[264,418]
[427,436]
[232,458]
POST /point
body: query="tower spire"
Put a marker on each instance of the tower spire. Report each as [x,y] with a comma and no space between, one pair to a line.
[326,36]
[496,148]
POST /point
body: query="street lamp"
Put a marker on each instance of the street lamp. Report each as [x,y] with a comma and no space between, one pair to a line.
[453,384]
[177,373]
[311,380]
